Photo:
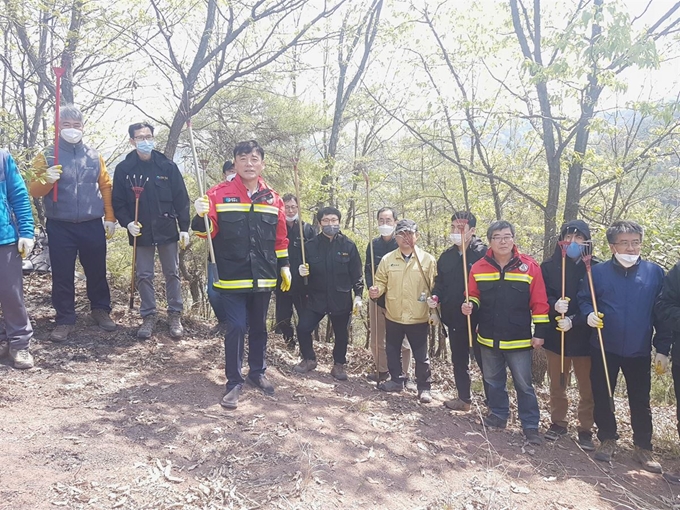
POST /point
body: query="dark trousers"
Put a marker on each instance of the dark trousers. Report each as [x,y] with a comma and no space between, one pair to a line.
[285,301]
[460,358]
[638,376]
[215,300]
[246,312]
[675,370]
[87,241]
[416,334]
[309,320]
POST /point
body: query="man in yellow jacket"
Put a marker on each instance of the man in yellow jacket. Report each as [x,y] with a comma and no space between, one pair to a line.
[406,287]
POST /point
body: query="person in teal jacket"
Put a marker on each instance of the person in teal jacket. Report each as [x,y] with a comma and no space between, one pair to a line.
[17,232]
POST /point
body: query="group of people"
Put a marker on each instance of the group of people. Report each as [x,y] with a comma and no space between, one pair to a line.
[507,306]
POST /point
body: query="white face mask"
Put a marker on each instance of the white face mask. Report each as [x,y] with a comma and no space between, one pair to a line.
[626,260]
[291,219]
[230,177]
[71,135]
[385,230]
[456,239]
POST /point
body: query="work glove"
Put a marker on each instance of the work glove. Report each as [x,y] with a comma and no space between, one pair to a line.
[134,228]
[109,228]
[562,305]
[564,324]
[433,301]
[595,321]
[184,240]
[53,174]
[202,205]
[358,303]
[466,308]
[303,270]
[660,363]
[25,246]
[373,292]
[285,279]
[434,319]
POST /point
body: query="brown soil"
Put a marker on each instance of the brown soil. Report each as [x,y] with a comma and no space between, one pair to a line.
[107,421]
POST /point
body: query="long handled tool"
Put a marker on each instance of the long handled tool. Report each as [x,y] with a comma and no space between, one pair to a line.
[563,247]
[296,160]
[460,222]
[429,289]
[137,185]
[370,244]
[58,72]
[587,256]
[212,266]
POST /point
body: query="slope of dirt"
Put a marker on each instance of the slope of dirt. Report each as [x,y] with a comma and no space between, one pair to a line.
[107,421]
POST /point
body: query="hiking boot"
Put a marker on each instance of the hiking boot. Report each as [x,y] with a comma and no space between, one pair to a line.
[230,398]
[533,437]
[338,372]
[410,385]
[555,432]
[22,358]
[148,324]
[585,441]
[457,404]
[176,329]
[380,377]
[102,319]
[220,329]
[391,386]
[491,420]
[306,365]
[61,332]
[425,396]
[646,458]
[606,450]
[260,381]
[4,348]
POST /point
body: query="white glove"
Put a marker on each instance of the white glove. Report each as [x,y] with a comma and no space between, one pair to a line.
[184,240]
[562,305]
[202,205]
[660,363]
[564,324]
[433,301]
[595,321]
[109,228]
[303,270]
[25,246]
[134,228]
[358,303]
[53,174]
[434,319]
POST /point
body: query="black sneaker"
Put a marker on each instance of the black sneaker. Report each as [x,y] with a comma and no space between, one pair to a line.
[382,376]
[533,437]
[261,382]
[555,432]
[230,399]
[494,421]
[410,385]
[585,441]
[391,386]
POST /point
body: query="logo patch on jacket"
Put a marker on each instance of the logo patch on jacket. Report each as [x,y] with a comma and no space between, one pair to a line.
[227,200]
[524,268]
[162,177]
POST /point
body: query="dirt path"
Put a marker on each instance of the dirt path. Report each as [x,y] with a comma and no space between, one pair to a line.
[106,421]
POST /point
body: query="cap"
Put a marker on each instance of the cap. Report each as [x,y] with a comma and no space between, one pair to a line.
[406,226]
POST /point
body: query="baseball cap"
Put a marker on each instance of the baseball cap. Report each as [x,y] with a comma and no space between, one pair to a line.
[406,226]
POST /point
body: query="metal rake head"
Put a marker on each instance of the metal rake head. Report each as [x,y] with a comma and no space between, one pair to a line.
[587,253]
[563,246]
[137,184]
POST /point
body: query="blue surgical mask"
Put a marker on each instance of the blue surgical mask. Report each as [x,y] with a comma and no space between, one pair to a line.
[574,250]
[331,230]
[145,147]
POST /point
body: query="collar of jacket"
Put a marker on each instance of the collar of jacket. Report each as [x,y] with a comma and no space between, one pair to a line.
[261,185]
[416,250]
[513,263]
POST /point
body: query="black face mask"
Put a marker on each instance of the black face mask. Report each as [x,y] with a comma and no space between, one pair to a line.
[330,230]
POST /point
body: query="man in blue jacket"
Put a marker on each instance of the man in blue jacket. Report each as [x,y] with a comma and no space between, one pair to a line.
[16,241]
[626,289]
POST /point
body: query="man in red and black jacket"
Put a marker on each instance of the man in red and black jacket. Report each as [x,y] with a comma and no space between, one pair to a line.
[506,289]
[248,228]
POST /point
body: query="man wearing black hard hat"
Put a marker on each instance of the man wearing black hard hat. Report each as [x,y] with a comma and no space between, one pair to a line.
[576,335]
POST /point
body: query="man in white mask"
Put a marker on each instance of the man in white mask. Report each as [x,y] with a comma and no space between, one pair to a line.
[76,194]
[297,295]
[626,290]
[382,245]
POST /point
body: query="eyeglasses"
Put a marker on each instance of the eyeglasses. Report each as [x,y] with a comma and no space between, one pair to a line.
[502,239]
[628,244]
[330,222]
[290,207]
[146,138]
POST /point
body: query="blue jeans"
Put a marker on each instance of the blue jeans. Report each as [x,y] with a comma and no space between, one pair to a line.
[495,362]
[215,300]
[246,312]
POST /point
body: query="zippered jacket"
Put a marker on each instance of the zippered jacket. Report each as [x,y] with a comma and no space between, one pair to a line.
[16,216]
